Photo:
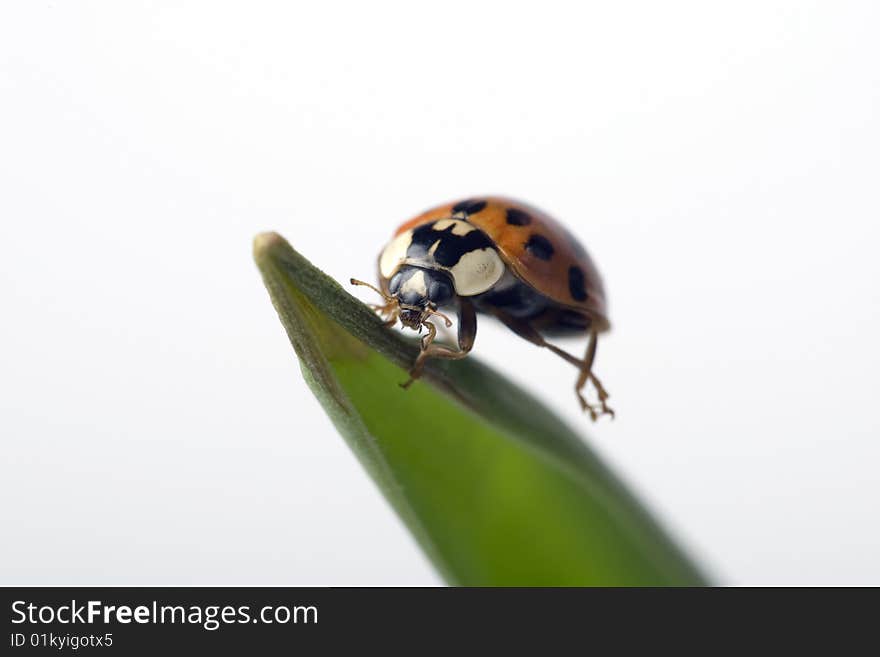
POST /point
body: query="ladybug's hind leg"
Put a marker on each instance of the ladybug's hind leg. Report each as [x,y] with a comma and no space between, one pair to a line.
[587,375]
[528,332]
[467,333]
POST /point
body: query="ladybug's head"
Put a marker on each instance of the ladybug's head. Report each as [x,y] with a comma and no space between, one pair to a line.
[412,318]
[415,294]
[419,292]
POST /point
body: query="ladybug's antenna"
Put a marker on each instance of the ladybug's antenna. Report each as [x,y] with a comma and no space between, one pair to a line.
[375,289]
[390,311]
[432,311]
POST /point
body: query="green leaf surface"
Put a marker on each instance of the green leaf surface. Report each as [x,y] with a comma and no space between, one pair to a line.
[496,489]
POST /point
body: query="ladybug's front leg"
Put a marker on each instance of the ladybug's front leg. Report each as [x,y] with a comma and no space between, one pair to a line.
[467,333]
[389,310]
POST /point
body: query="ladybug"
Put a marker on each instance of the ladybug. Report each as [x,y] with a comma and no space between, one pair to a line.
[498,257]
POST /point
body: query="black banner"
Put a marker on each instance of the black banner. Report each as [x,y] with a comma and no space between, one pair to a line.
[129,621]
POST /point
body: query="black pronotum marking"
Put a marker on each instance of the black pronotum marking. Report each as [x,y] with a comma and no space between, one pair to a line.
[518,217]
[451,248]
[576,283]
[468,207]
[540,247]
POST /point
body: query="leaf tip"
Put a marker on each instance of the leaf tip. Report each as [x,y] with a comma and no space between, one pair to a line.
[266,242]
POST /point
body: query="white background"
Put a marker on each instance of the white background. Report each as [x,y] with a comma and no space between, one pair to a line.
[719,160]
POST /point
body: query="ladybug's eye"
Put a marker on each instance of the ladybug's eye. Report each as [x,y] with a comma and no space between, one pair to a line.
[439,292]
[394,283]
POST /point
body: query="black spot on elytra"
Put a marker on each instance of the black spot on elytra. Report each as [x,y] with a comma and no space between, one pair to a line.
[576,283]
[451,247]
[518,217]
[468,207]
[540,247]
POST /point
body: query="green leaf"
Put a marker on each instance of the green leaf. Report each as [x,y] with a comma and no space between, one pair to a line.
[496,489]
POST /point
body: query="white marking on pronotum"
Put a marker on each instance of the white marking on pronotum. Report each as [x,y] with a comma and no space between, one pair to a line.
[416,283]
[477,271]
[394,254]
[458,227]
[433,248]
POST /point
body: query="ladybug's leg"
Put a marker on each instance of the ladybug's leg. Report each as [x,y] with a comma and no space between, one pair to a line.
[528,332]
[467,333]
[389,310]
[587,375]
